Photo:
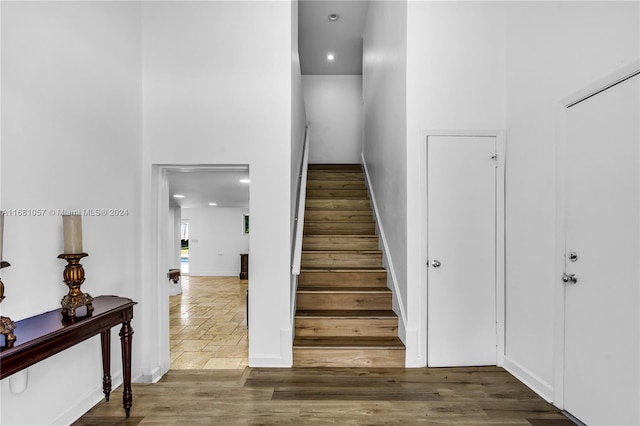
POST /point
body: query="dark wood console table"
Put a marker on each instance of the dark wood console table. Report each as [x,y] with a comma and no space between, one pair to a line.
[244,266]
[44,335]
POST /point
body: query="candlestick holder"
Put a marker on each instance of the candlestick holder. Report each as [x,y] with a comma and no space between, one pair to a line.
[6,325]
[74,277]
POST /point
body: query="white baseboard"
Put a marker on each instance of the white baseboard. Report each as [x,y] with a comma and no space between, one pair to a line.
[284,360]
[269,362]
[539,386]
[151,376]
[413,359]
[206,273]
[79,408]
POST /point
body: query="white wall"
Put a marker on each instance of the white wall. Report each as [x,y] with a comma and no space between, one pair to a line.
[173,238]
[71,97]
[217,90]
[497,65]
[298,133]
[216,239]
[455,80]
[384,88]
[334,107]
[553,50]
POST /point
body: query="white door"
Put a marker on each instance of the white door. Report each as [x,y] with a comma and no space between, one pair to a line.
[601,377]
[461,233]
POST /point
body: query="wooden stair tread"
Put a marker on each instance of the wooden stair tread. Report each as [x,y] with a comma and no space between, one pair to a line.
[341,236]
[348,342]
[335,174]
[341,222]
[344,269]
[341,289]
[342,313]
[344,316]
[335,184]
[319,211]
[341,198]
[342,251]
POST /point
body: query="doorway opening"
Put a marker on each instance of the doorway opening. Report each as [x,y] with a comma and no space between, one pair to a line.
[184,247]
[207,317]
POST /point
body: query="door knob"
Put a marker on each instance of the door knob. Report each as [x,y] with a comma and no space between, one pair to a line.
[436,263]
[569,278]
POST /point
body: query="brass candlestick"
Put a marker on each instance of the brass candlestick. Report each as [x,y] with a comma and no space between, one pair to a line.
[74,277]
[6,325]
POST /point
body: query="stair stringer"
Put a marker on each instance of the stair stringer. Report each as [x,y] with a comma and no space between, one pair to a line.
[398,306]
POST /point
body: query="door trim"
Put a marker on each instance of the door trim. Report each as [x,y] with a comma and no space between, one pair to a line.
[500,234]
[597,86]
[156,266]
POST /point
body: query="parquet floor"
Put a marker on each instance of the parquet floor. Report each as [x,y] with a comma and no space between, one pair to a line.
[208,324]
[340,396]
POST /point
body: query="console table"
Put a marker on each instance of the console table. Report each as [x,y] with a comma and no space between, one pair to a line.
[244,266]
[44,335]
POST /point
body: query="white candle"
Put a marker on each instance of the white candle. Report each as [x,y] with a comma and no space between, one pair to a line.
[1,232]
[72,228]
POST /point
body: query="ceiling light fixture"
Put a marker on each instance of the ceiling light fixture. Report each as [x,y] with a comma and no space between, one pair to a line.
[244,181]
[330,57]
[334,17]
[178,196]
[213,204]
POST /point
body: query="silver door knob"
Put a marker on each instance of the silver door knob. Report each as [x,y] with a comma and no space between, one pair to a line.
[569,278]
[436,263]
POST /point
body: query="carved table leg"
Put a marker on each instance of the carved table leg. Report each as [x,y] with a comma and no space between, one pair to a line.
[105,340]
[125,339]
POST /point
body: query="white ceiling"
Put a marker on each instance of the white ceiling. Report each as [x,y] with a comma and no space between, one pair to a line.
[318,36]
[201,187]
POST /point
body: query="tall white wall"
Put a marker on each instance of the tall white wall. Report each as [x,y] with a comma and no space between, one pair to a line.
[384,79]
[71,132]
[298,134]
[217,90]
[553,50]
[334,107]
[455,80]
[173,237]
[216,240]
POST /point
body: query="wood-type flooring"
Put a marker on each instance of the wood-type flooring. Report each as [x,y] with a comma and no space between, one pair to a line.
[332,396]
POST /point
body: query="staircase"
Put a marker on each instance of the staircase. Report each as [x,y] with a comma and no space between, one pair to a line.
[343,316]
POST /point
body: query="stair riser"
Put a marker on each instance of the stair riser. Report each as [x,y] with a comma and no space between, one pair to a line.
[325,327]
[339,260]
[336,166]
[320,204]
[348,301]
[344,279]
[339,228]
[371,358]
[338,215]
[335,184]
[337,193]
[334,175]
[339,243]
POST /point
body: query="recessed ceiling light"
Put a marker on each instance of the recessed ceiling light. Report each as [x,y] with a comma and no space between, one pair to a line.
[178,196]
[330,57]
[334,17]
[213,204]
[245,180]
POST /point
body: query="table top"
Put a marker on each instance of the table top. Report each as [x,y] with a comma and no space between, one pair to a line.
[40,327]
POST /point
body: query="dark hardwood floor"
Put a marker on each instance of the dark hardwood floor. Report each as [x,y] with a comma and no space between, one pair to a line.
[344,396]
